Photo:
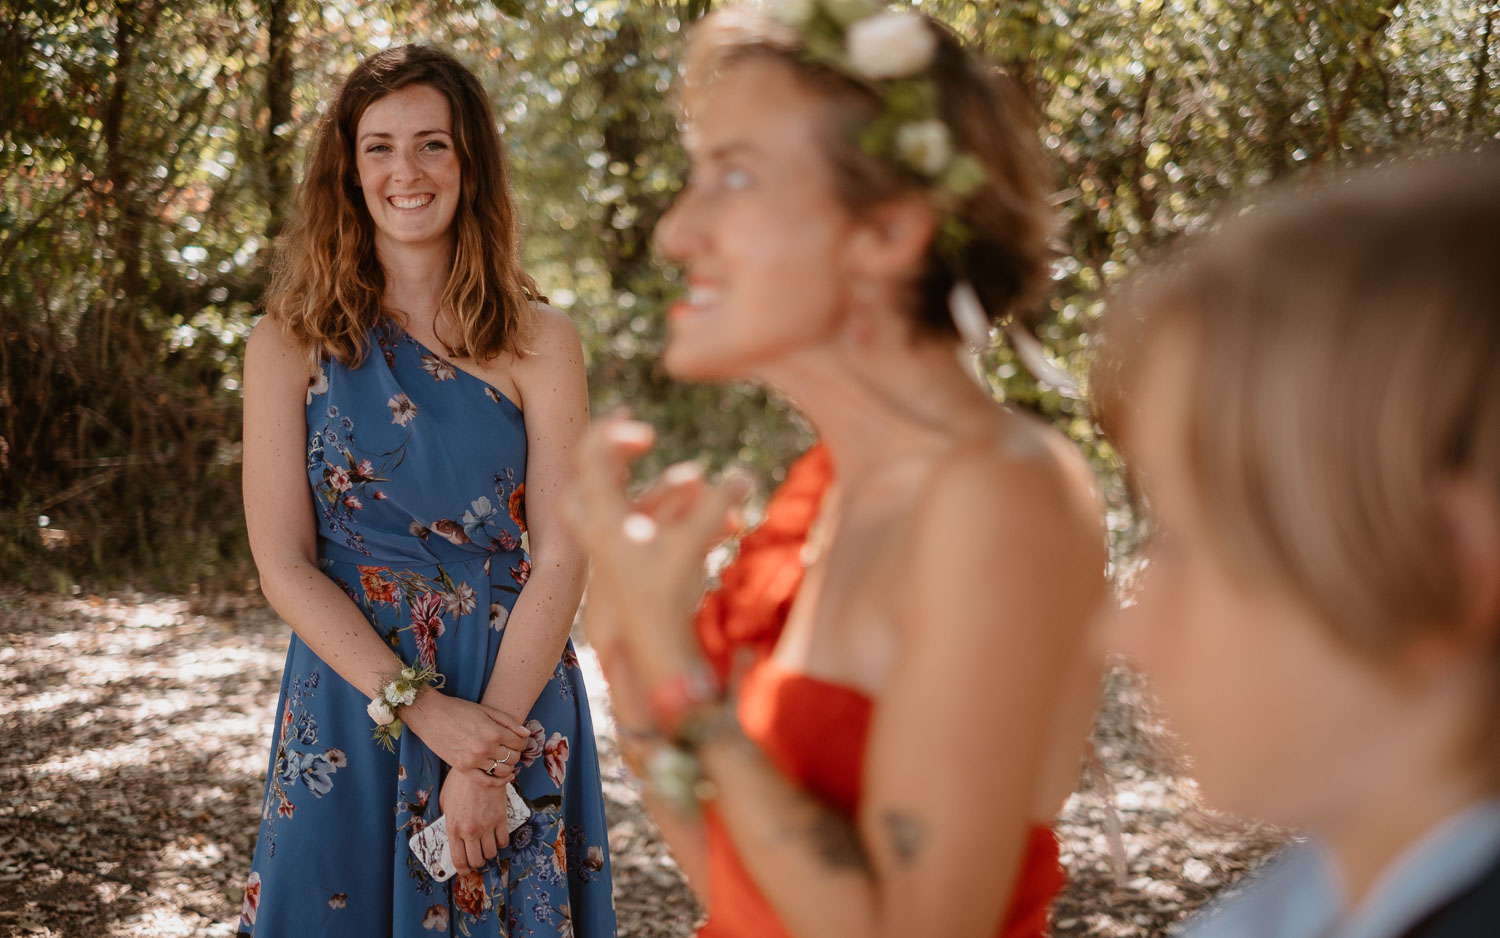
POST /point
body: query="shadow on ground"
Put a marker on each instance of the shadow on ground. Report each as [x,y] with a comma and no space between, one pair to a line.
[136,729]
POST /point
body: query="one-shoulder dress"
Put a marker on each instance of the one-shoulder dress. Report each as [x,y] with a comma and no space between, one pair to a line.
[814,731]
[417,470]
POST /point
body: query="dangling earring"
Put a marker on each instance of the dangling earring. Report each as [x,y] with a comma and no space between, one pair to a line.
[968,315]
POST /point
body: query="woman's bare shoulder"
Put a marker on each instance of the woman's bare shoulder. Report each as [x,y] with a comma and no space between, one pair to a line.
[553,358]
[1014,513]
[552,328]
[272,351]
[1023,462]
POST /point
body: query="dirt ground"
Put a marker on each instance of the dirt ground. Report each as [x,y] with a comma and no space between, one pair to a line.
[133,743]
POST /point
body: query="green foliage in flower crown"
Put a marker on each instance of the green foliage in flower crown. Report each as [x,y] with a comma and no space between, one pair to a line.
[910,108]
[963,176]
[846,13]
[907,101]
[824,38]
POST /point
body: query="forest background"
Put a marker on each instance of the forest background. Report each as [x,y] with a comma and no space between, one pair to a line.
[149,151]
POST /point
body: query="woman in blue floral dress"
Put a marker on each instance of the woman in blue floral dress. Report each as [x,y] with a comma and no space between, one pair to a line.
[410,415]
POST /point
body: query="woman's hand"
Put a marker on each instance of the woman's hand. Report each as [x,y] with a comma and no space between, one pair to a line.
[476,811]
[473,739]
[648,552]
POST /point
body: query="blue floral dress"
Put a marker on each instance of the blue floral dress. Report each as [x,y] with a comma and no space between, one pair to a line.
[417,471]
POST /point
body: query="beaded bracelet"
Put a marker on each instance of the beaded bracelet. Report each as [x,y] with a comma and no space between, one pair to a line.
[674,701]
[674,769]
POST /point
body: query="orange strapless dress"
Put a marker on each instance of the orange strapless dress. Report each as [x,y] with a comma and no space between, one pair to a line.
[813,730]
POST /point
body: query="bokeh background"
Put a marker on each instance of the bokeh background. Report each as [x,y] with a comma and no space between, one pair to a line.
[149,151]
[148,156]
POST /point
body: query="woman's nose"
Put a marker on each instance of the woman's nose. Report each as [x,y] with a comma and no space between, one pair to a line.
[678,231]
[406,167]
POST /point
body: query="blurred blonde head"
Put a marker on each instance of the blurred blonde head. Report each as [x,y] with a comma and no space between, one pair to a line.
[1345,378]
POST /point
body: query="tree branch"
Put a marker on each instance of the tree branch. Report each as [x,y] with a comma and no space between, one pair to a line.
[1340,113]
[11,243]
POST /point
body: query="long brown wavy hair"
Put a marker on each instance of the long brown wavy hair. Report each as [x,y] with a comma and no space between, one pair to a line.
[327,283]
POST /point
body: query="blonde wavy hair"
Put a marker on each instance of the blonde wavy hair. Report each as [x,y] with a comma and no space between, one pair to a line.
[1346,367]
[327,283]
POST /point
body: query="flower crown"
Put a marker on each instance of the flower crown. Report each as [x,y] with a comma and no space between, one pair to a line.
[890,52]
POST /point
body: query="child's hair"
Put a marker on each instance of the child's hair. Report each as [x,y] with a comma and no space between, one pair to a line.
[1346,364]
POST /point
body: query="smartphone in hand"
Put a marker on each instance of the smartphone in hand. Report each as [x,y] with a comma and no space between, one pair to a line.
[431,848]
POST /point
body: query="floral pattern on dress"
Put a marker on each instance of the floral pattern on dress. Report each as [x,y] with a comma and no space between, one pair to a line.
[299,760]
[416,470]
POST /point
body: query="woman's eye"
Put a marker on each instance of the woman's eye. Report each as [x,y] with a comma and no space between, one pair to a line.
[435,145]
[377,148]
[736,179]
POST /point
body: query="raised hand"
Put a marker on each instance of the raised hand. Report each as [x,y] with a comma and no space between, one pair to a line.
[648,552]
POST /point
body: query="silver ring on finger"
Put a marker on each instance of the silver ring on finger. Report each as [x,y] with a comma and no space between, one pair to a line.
[491,770]
[508,753]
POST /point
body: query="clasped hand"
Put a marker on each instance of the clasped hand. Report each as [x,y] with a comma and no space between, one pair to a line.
[482,747]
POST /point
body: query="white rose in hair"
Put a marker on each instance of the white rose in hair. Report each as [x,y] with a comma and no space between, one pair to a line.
[381,712]
[924,146]
[891,45]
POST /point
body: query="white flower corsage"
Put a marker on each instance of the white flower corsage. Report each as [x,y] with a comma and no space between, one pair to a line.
[398,691]
[381,712]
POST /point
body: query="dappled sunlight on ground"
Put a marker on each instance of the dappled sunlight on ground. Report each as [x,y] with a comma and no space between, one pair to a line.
[134,733]
[136,736]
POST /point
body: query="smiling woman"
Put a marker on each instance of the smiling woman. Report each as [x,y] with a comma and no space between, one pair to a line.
[409,177]
[405,382]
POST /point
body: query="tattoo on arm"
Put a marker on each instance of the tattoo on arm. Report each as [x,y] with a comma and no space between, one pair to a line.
[837,842]
[906,835]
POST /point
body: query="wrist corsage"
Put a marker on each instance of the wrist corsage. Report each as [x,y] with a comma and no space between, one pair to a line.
[397,692]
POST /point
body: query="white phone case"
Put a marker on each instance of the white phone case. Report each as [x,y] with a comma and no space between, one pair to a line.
[430,844]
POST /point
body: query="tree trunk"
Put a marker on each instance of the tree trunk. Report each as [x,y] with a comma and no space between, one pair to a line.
[278,140]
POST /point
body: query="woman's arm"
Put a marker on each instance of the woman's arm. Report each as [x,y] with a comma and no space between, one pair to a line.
[283,540]
[554,399]
[637,737]
[991,616]
[1007,568]
[553,394]
[643,579]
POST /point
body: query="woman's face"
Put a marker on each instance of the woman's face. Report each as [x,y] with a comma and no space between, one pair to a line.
[408,167]
[758,230]
[1282,722]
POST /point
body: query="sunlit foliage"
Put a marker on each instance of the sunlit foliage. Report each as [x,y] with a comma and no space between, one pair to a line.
[148,151]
